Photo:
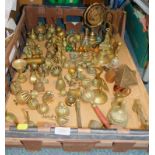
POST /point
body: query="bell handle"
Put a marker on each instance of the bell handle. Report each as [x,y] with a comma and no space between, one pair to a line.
[101,116]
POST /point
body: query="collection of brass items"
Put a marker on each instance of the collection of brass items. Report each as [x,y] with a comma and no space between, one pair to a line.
[77,63]
[137,108]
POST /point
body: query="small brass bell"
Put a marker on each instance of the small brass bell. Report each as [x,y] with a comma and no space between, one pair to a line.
[43,108]
[62,110]
[60,83]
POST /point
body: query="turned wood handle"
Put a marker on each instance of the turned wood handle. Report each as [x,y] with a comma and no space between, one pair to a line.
[101,116]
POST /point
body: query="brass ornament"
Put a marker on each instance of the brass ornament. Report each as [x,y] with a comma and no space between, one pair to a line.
[48,97]
[33,103]
[87,95]
[56,70]
[62,110]
[15,87]
[32,35]
[43,108]
[62,120]
[117,114]
[23,97]
[60,83]
[33,77]
[39,86]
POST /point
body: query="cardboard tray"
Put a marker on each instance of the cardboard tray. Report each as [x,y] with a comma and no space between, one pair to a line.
[78,139]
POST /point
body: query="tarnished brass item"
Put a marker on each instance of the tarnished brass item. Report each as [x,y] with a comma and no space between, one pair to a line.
[70,100]
[10,118]
[47,97]
[117,115]
[43,108]
[56,70]
[60,83]
[20,65]
[137,108]
[39,86]
[62,120]
[125,77]
[62,110]
[33,103]
[93,124]
[15,87]
[23,97]
[87,95]
[32,35]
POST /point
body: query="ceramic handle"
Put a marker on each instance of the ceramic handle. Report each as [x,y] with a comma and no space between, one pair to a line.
[101,116]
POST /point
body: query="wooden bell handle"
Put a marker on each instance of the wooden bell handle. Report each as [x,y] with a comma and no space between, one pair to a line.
[101,116]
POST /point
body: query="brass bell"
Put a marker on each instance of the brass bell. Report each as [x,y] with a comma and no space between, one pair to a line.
[62,110]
